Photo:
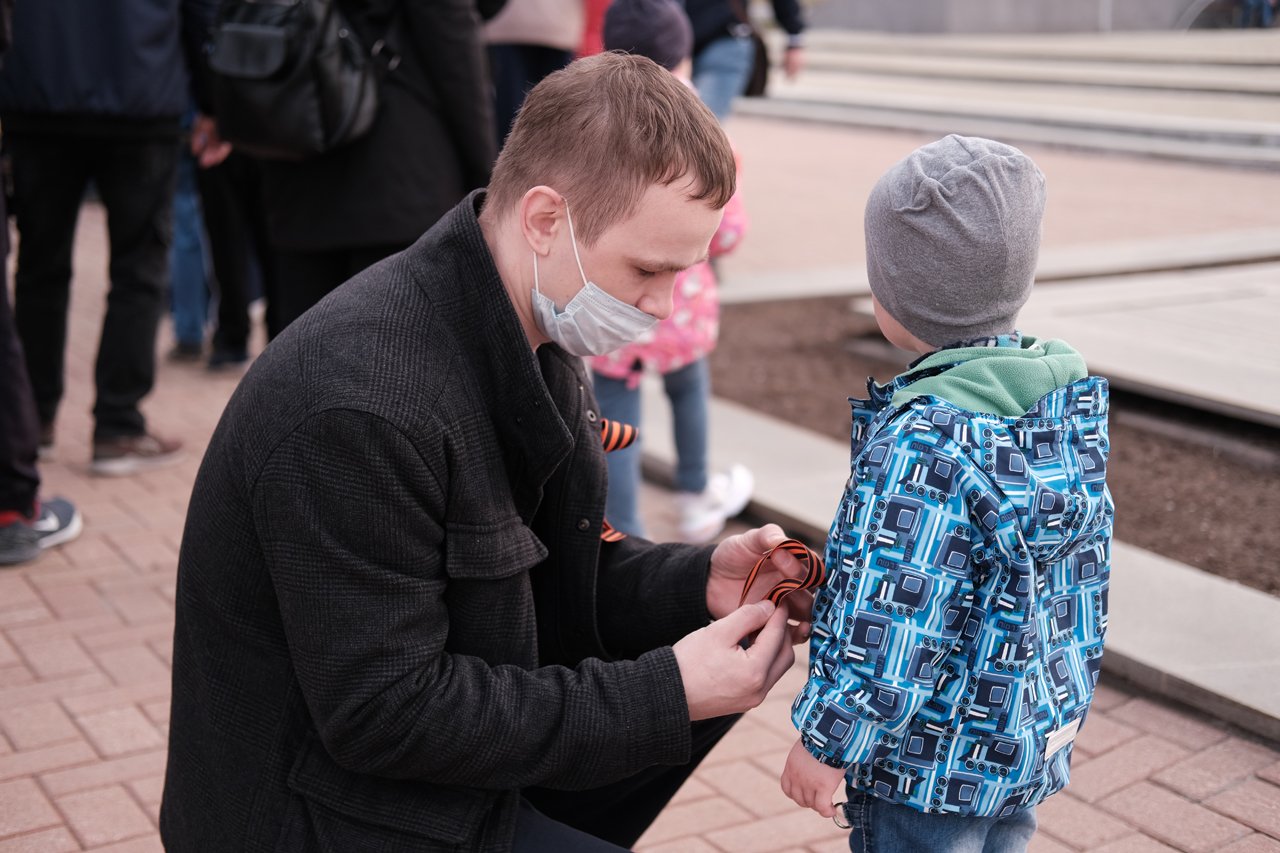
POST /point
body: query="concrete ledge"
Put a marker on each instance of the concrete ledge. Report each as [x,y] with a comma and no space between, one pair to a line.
[1175,630]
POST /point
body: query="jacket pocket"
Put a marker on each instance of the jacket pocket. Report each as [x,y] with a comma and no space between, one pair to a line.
[438,812]
[490,551]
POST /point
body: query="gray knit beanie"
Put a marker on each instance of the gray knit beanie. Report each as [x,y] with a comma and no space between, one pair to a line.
[953,234]
[658,29]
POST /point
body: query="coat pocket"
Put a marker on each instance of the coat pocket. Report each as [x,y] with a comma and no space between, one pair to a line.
[442,813]
[490,551]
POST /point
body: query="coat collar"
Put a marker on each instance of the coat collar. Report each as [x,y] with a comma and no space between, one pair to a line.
[453,266]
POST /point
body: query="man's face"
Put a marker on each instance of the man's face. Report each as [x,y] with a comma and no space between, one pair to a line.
[637,260]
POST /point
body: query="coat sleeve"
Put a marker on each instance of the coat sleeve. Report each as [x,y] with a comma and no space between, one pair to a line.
[197,20]
[446,34]
[649,596]
[349,514]
[789,16]
[889,615]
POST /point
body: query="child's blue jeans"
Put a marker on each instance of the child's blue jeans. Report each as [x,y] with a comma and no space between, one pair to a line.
[877,826]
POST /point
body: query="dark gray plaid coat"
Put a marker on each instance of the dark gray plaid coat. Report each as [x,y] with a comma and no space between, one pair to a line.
[394,609]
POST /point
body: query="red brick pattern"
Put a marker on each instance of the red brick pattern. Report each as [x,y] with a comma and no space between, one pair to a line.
[84,681]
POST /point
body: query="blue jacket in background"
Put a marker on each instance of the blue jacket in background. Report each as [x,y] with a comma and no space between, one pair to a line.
[115,66]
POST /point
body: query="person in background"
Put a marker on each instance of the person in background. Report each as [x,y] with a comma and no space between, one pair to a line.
[188,269]
[244,267]
[528,40]
[28,524]
[332,215]
[593,30]
[80,107]
[723,52]
[678,346]
[1259,11]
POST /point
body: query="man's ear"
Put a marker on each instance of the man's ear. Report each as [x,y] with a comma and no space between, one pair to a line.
[541,214]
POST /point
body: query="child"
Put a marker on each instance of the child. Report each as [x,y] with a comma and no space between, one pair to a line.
[958,637]
[679,346]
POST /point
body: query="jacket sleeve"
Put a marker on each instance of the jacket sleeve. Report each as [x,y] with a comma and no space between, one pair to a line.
[197,21]
[789,16]
[349,514]
[893,608]
[649,596]
[446,34]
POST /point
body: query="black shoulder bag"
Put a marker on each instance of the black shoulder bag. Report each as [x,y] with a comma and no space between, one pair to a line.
[291,78]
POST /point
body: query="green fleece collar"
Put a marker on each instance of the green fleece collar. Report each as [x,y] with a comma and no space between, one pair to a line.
[1002,380]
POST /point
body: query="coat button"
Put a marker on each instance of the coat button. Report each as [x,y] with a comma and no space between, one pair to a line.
[584,524]
[591,415]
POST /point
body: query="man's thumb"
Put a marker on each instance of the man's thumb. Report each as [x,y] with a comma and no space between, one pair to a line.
[744,621]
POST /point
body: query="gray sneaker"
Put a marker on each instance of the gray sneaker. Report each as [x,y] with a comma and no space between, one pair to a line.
[129,454]
[22,540]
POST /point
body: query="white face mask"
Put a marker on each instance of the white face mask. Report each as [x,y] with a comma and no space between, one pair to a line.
[593,322]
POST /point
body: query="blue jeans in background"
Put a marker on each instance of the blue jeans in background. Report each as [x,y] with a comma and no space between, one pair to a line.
[721,70]
[878,826]
[688,389]
[189,287]
[1259,10]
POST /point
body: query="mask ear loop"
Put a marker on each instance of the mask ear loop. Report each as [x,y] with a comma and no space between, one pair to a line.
[574,240]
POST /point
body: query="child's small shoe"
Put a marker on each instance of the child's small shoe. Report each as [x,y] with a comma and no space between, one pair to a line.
[702,515]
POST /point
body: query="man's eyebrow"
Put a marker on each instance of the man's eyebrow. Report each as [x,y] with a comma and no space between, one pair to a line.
[667,266]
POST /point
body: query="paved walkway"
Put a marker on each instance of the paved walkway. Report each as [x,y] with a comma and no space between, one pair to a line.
[85,635]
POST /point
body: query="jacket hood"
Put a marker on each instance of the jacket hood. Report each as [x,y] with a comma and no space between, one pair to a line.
[1003,380]
[1028,418]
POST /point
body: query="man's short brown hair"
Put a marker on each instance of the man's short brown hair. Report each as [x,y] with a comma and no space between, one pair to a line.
[601,132]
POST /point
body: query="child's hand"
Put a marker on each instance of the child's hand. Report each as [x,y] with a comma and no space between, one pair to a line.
[811,783]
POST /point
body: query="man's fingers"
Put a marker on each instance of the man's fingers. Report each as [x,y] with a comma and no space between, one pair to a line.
[746,620]
[799,633]
[773,636]
[800,605]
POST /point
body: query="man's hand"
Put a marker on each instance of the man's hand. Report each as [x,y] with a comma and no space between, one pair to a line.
[207,146]
[811,783]
[720,676]
[732,561]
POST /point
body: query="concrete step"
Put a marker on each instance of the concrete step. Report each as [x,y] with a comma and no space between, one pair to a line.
[1216,79]
[1197,116]
[1232,48]
[1174,630]
[1252,148]
[1067,264]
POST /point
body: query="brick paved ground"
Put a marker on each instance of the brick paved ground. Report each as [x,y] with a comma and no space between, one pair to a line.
[85,636]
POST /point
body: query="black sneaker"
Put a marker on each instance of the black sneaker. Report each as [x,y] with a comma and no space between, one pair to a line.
[23,539]
[129,454]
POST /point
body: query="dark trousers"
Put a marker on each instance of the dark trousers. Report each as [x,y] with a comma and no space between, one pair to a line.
[307,277]
[235,220]
[135,180]
[19,427]
[616,814]
[517,68]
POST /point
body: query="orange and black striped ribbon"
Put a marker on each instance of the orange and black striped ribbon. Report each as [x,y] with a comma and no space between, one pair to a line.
[615,436]
[814,572]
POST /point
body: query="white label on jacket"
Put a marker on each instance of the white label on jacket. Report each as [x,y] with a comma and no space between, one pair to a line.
[1058,738]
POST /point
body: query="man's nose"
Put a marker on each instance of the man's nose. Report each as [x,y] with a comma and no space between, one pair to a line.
[658,301]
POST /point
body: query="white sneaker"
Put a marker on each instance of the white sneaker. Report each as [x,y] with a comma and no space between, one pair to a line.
[702,516]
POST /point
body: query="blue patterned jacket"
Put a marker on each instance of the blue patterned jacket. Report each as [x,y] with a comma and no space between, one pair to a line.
[958,639]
